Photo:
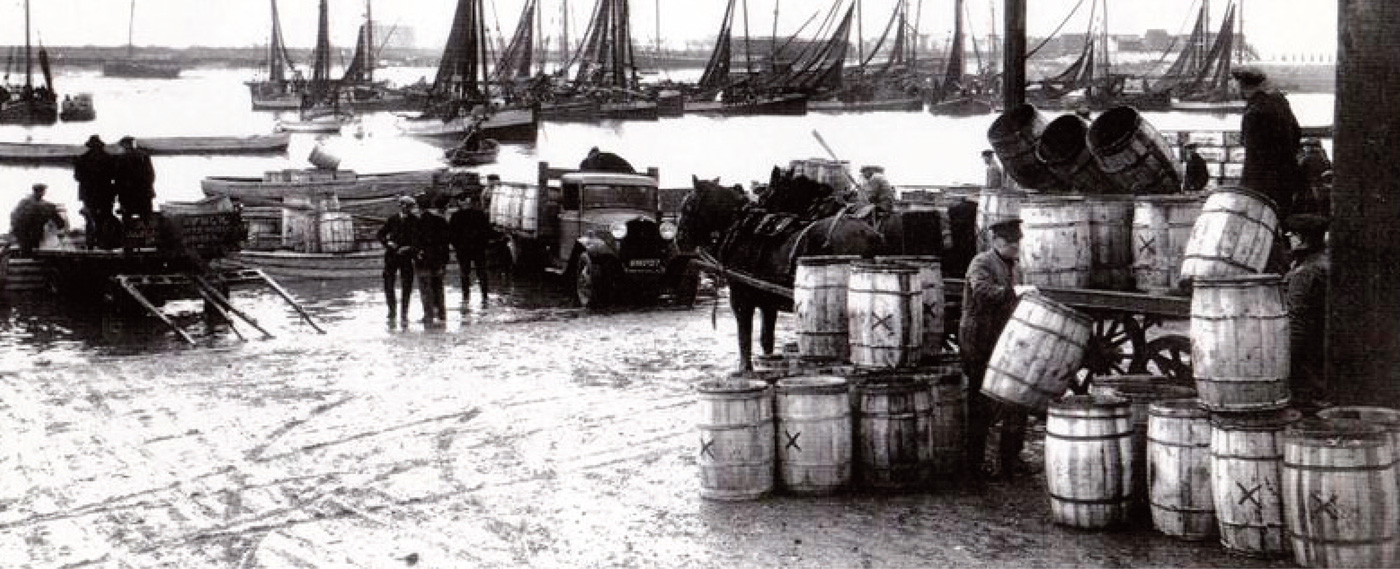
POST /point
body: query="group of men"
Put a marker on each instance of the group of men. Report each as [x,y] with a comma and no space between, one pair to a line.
[106,180]
[418,242]
[1293,172]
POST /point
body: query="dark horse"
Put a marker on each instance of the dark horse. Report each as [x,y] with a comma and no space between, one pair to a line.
[710,219]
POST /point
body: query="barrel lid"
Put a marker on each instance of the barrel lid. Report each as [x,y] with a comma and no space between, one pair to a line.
[1245,192]
[906,258]
[876,267]
[1076,401]
[1209,282]
[1186,407]
[1146,392]
[1041,299]
[1390,418]
[827,259]
[813,384]
[1257,420]
[1337,432]
[1013,121]
[1168,198]
[1114,129]
[731,385]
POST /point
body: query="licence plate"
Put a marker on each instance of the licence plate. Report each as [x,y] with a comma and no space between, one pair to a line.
[644,264]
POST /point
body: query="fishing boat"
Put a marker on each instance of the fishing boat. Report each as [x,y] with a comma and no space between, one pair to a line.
[718,92]
[136,68]
[274,185]
[890,86]
[1199,80]
[37,152]
[26,104]
[1089,80]
[317,120]
[958,94]
[77,108]
[483,152]
[460,97]
[276,91]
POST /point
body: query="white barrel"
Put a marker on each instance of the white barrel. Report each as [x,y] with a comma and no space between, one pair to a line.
[337,231]
[931,273]
[819,301]
[884,308]
[322,158]
[1037,353]
[1057,247]
[1233,235]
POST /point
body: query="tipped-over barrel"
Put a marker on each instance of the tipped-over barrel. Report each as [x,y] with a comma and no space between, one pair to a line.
[1013,137]
[1133,154]
[1064,149]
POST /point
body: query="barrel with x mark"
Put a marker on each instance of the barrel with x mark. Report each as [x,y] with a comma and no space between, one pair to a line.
[814,434]
[1246,462]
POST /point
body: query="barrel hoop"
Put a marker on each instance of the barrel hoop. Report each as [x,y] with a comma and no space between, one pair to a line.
[1323,468]
[886,292]
[1101,501]
[1229,380]
[1335,541]
[1107,437]
[1175,443]
[1055,333]
[1225,260]
[800,420]
[1032,386]
[733,426]
[1204,318]
[1171,508]
[1239,213]
[1277,458]
[1236,525]
[727,464]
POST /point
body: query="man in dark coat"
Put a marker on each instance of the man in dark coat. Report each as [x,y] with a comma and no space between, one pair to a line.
[1271,141]
[472,235]
[989,298]
[98,193]
[396,235]
[1197,172]
[432,241]
[597,161]
[135,179]
[1306,284]
[28,218]
[1314,164]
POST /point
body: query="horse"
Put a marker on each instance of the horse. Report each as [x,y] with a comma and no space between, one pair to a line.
[710,219]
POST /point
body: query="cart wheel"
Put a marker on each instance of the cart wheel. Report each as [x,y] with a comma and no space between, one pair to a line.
[1168,356]
[1112,349]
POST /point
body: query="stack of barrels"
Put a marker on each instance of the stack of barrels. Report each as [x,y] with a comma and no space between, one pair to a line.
[834,173]
[870,400]
[1100,202]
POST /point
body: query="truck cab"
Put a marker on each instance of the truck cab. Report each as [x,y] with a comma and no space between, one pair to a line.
[602,231]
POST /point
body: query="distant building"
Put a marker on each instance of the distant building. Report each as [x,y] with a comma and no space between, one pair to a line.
[1156,40]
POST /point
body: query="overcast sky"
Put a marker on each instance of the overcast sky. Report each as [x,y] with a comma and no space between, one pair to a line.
[1274,26]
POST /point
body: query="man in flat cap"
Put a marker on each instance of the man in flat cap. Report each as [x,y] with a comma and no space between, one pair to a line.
[1314,163]
[989,297]
[876,190]
[996,178]
[28,218]
[1306,284]
[1271,141]
[397,237]
[135,179]
[1197,172]
[98,193]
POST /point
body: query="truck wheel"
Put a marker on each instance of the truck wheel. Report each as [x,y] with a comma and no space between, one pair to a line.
[590,282]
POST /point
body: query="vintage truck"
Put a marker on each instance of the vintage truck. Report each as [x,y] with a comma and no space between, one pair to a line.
[602,231]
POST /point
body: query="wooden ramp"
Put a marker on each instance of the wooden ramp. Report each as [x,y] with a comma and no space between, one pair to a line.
[210,288]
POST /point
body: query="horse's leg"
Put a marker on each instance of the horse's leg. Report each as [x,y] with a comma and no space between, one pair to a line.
[742,306]
[770,323]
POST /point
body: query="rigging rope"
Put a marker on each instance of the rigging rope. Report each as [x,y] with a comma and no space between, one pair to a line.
[1056,32]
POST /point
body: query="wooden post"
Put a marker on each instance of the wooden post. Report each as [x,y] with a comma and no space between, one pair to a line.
[1363,320]
[1013,55]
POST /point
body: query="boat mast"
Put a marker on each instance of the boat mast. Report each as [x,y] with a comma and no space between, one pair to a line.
[860,35]
[130,27]
[748,51]
[656,59]
[369,45]
[564,39]
[28,58]
[773,47]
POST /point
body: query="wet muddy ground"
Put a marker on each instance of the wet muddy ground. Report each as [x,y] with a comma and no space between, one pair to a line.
[524,433]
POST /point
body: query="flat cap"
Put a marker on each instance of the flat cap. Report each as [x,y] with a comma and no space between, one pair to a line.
[872,168]
[1007,228]
[95,141]
[1305,224]
[39,186]
[126,140]
[1312,141]
[407,200]
[988,152]
[1249,76]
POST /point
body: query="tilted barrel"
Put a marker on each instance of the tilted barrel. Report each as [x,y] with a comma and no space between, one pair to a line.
[1064,148]
[1133,154]
[1013,137]
[1038,351]
[1232,236]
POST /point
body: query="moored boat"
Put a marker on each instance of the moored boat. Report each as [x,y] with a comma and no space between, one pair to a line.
[505,125]
[77,108]
[38,152]
[365,264]
[794,104]
[326,121]
[274,185]
[484,153]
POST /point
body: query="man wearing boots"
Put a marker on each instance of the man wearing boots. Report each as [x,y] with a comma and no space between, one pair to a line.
[431,244]
[397,238]
[471,236]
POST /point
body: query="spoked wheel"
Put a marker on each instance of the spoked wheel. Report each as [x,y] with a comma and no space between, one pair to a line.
[589,282]
[1117,339]
[1168,356]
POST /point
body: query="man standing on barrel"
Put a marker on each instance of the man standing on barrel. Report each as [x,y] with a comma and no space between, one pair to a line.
[1272,140]
[989,298]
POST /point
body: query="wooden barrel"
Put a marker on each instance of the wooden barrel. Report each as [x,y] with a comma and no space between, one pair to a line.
[931,274]
[1161,227]
[819,301]
[1246,462]
[814,445]
[1340,498]
[1089,460]
[1111,242]
[894,415]
[1178,465]
[1387,418]
[323,159]
[835,173]
[337,232]
[1037,353]
[1133,154]
[884,308]
[994,206]
[1141,391]
[1064,148]
[1239,343]
[736,439]
[1013,137]
[1232,236]
[949,416]
[1056,249]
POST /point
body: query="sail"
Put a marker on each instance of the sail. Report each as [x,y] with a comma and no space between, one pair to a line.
[44,67]
[716,74]
[462,70]
[321,64]
[1078,74]
[607,57]
[1189,61]
[897,48]
[822,70]
[1212,81]
[517,58]
[953,74]
[361,64]
[278,60]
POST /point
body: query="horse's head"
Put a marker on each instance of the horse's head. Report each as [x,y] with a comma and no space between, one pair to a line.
[707,211]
